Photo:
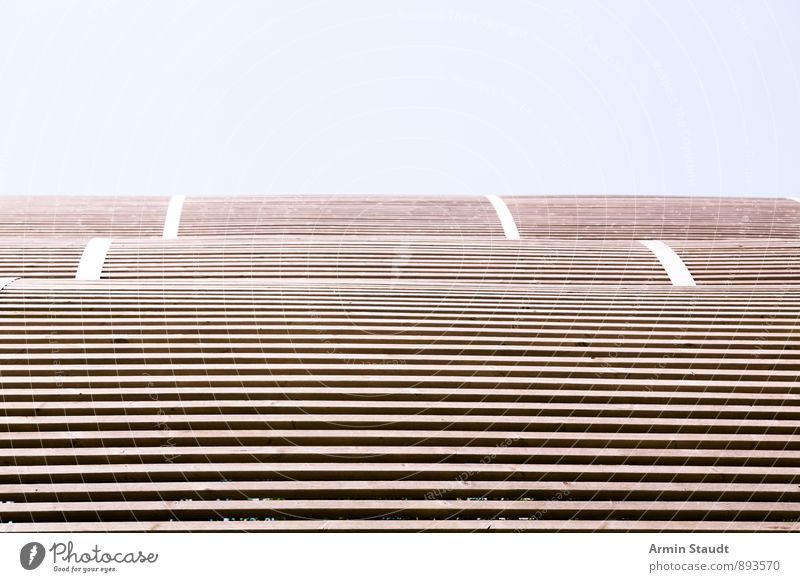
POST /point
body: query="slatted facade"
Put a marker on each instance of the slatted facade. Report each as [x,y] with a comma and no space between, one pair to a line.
[307,216]
[361,379]
[81,217]
[643,217]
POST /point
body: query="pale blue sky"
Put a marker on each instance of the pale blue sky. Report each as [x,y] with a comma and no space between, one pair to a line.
[419,97]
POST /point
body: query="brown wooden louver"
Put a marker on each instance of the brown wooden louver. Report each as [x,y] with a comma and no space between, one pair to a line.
[399,364]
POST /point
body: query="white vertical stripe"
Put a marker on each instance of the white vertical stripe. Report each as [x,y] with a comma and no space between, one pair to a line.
[504,214]
[94,255]
[172,221]
[672,263]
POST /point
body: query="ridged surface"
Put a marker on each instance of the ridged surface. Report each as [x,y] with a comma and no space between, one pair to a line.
[643,217]
[571,217]
[460,216]
[39,257]
[768,261]
[735,261]
[445,259]
[82,217]
[396,364]
[300,403]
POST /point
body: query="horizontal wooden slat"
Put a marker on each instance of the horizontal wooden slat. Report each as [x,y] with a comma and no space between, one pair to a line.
[170,469]
[405,489]
[231,435]
[405,509]
[372,525]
